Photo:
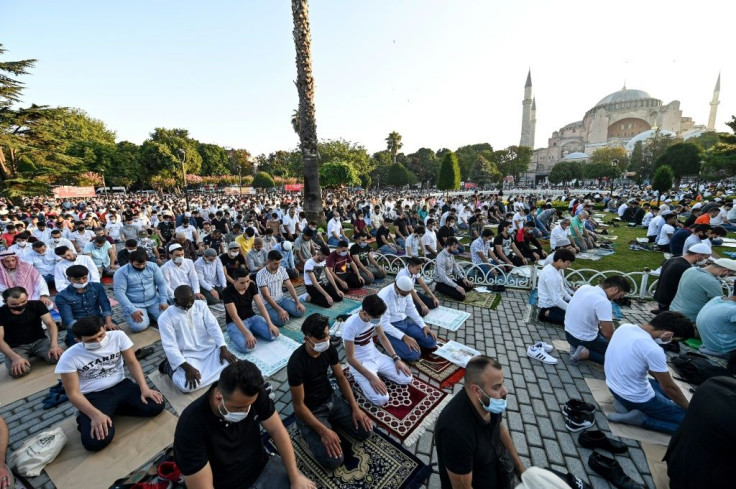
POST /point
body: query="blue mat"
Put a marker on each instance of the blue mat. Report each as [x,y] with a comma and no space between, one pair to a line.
[617,314]
[292,329]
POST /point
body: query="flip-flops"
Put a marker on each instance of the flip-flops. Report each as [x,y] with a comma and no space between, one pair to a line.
[55,397]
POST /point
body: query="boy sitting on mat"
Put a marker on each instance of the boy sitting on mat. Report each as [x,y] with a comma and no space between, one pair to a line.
[319,409]
[363,356]
[94,379]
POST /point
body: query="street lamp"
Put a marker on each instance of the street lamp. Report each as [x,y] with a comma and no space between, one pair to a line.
[183,157]
[614,163]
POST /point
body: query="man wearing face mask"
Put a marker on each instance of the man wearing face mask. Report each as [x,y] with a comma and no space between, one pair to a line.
[83,298]
[304,248]
[218,437]
[21,248]
[366,362]
[474,449]
[43,259]
[69,258]
[141,290]
[634,351]
[231,261]
[346,272]
[321,291]
[363,259]
[195,347]
[81,236]
[319,409]
[180,271]
[94,379]
[21,332]
[42,232]
[672,271]
[335,232]
[211,274]
[114,228]
[57,240]
[271,281]
[699,285]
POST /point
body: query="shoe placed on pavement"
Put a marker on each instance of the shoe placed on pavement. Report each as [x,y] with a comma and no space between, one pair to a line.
[577,405]
[546,346]
[610,470]
[497,288]
[537,352]
[142,353]
[164,366]
[269,390]
[597,439]
[571,480]
[579,421]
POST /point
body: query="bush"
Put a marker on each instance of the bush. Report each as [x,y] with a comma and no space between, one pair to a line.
[336,173]
[449,176]
[263,180]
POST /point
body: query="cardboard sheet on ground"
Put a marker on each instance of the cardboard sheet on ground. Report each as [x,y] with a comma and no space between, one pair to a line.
[728,245]
[456,353]
[447,318]
[657,467]
[178,399]
[145,338]
[136,441]
[604,398]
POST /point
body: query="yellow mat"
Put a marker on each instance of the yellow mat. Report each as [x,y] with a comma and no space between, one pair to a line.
[178,399]
[42,375]
[137,440]
[657,467]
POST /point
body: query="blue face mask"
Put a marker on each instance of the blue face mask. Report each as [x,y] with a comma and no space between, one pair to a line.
[495,406]
[376,321]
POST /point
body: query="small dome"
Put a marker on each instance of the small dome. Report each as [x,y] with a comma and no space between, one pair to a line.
[576,156]
[623,95]
[643,136]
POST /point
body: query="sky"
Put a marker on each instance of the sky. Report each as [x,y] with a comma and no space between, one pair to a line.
[443,73]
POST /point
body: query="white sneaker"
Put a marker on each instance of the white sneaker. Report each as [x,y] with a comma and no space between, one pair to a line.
[538,353]
[546,346]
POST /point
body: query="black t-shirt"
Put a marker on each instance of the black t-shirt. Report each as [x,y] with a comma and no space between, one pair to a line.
[220,224]
[24,328]
[690,220]
[669,279]
[361,252]
[234,451]
[505,243]
[444,233]
[702,451]
[167,229]
[212,242]
[231,264]
[401,225]
[381,234]
[243,302]
[304,369]
[465,443]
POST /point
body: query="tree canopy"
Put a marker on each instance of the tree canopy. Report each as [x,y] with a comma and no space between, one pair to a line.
[336,173]
[565,172]
[662,180]
[449,176]
[682,158]
[720,159]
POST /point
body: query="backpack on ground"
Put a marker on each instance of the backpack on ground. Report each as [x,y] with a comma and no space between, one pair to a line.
[696,369]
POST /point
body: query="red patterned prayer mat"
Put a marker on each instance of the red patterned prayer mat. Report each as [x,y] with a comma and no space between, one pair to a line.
[437,368]
[296,282]
[411,409]
[359,294]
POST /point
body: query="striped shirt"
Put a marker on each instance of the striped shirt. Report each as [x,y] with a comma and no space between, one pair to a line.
[445,267]
[274,282]
[479,246]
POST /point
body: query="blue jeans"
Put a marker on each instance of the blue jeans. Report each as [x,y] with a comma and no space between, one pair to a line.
[150,312]
[460,249]
[49,279]
[387,250]
[660,413]
[256,325]
[401,242]
[410,328]
[333,241]
[597,347]
[288,305]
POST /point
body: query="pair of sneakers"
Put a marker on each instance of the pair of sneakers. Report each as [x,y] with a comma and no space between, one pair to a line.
[541,351]
[578,415]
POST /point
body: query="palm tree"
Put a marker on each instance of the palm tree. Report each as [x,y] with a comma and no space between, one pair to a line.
[307,122]
[394,144]
[295,122]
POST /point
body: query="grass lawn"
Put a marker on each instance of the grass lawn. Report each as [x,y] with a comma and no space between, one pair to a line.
[625,259]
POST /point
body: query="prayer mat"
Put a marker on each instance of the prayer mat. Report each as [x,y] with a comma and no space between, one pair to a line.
[269,356]
[447,318]
[588,256]
[375,463]
[604,398]
[146,337]
[41,377]
[359,294]
[293,328]
[380,283]
[136,441]
[658,468]
[617,314]
[437,368]
[411,408]
[296,282]
[479,299]
[179,400]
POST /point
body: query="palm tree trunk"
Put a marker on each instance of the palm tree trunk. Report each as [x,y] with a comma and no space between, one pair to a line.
[307,122]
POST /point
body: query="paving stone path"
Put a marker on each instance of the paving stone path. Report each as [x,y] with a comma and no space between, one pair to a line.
[536,392]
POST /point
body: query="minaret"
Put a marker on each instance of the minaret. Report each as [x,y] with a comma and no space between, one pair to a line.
[533,121]
[714,105]
[526,113]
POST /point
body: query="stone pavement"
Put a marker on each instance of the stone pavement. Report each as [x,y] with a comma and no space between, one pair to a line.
[536,392]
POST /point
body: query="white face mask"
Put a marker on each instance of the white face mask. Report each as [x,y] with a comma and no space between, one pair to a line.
[22,244]
[179,260]
[232,417]
[96,345]
[701,262]
[79,286]
[233,254]
[321,347]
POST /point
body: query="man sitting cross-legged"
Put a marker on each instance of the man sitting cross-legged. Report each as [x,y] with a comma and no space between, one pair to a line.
[94,379]
[319,409]
[364,260]
[242,324]
[402,314]
[423,302]
[271,280]
[82,299]
[193,342]
[365,360]
[22,334]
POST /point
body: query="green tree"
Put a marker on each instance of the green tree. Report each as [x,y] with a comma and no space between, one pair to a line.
[351,153]
[277,163]
[565,172]
[126,168]
[683,159]
[449,176]
[424,164]
[613,157]
[720,160]
[295,124]
[399,176]
[161,155]
[706,140]
[337,173]
[514,160]
[467,155]
[597,171]
[240,162]
[263,180]
[382,161]
[394,144]
[662,181]
[215,159]
[307,118]
[637,163]
[484,172]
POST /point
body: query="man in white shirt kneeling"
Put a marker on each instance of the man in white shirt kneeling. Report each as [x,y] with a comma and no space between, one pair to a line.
[553,297]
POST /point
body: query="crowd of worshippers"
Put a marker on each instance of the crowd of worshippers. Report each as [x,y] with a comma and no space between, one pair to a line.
[168,266]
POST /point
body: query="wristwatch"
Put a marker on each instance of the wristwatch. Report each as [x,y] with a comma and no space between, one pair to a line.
[395,358]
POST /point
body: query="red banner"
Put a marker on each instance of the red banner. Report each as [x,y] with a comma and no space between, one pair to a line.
[294,187]
[73,192]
